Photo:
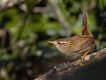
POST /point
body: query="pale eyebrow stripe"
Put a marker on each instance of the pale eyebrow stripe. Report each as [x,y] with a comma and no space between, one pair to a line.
[63,42]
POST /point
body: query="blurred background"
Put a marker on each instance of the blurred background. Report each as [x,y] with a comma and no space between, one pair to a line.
[27,25]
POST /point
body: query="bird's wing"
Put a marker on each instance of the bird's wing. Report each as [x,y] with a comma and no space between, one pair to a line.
[80,42]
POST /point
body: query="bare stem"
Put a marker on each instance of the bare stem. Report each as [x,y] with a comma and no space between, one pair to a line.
[70,68]
[54,6]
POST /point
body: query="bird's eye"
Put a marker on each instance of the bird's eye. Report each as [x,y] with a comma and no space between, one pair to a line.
[59,43]
[62,43]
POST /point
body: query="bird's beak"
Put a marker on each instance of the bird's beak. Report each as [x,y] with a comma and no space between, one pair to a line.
[50,42]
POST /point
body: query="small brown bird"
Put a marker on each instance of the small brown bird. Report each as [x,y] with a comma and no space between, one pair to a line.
[78,46]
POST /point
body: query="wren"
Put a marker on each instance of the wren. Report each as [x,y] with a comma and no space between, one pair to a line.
[76,47]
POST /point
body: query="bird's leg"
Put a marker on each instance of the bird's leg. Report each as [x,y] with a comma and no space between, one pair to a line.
[83,56]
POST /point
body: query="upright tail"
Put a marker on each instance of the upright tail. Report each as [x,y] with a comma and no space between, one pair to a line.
[85,30]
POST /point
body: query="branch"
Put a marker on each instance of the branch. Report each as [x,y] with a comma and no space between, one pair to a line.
[45,9]
[54,6]
[70,68]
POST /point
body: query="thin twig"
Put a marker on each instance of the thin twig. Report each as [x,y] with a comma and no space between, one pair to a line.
[89,7]
[23,22]
[70,68]
[54,6]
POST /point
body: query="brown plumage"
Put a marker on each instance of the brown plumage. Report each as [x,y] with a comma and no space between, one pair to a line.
[77,46]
